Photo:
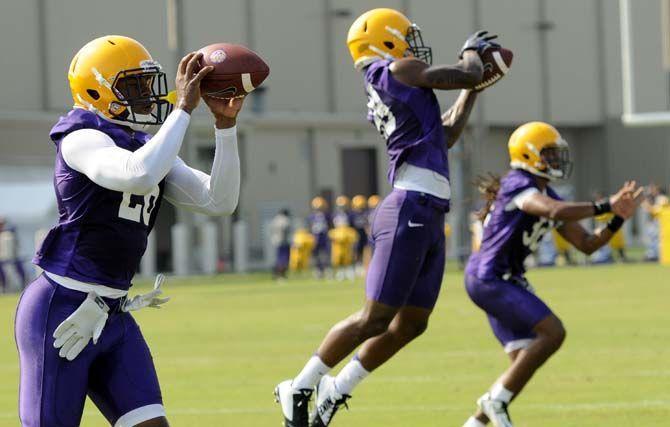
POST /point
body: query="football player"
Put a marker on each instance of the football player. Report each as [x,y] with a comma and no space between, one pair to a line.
[280,236]
[319,224]
[342,210]
[407,265]
[301,249]
[74,331]
[342,241]
[520,209]
[358,219]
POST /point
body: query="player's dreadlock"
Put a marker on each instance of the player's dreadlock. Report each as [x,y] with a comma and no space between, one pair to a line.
[488,187]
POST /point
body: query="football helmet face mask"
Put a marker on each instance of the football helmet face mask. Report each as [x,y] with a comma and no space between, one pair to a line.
[116,78]
[141,94]
[385,34]
[416,45]
[538,148]
[558,160]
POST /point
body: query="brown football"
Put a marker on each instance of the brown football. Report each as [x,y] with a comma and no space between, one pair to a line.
[237,70]
[497,62]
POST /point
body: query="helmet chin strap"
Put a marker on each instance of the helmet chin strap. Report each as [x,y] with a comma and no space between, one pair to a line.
[137,126]
[534,171]
[134,126]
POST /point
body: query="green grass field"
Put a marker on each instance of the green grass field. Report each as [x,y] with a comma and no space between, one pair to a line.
[223,343]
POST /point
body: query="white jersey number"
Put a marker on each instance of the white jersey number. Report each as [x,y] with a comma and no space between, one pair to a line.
[381,113]
[138,211]
[532,240]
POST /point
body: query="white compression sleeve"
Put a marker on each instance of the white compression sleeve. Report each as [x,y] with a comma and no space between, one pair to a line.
[94,154]
[217,194]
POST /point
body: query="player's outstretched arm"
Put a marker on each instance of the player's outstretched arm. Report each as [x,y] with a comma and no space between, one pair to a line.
[627,200]
[466,74]
[95,154]
[587,242]
[217,193]
[456,117]
[622,204]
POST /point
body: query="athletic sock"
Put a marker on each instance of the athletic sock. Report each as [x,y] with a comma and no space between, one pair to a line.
[473,422]
[349,377]
[499,392]
[310,374]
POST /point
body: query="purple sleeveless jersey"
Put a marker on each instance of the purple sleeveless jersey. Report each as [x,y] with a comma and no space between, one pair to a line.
[101,234]
[510,234]
[408,118]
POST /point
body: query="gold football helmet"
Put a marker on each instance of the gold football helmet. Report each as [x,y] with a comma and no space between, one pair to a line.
[116,78]
[359,202]
[385,34]
[373,201]
[319,203]
[342,202]
[538,148]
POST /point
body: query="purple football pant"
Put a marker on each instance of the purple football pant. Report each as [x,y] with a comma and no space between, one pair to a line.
[512,310]
[283,255]
[361,244]
[321,252]
[117,373]
[408,250]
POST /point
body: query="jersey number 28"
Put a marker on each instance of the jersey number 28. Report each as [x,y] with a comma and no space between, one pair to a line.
[138,210]
[381,114]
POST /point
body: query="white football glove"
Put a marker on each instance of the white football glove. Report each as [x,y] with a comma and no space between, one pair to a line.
[86,323]
[150,299]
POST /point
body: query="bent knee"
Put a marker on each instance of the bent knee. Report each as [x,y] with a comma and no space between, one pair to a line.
[553,332]
[413,329]
[559,335]
[371,326]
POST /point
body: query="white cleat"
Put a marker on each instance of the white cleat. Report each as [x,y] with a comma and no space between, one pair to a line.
[328,401]
[294,404]
[495,410]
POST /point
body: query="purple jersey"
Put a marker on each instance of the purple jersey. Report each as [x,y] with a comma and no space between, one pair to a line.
[510,234]
[341,217]
[319,224]
[408,118]
[358,220]
[101,234]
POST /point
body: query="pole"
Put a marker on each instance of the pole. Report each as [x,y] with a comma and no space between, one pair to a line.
[42,48]
[185,220]
[329,59]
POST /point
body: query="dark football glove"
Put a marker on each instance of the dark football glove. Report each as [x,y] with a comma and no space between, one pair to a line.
[480,42]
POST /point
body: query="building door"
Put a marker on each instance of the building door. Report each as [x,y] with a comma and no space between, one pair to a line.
[359,171]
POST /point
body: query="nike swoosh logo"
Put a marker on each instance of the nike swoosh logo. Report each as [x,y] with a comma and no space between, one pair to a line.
[414,224]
